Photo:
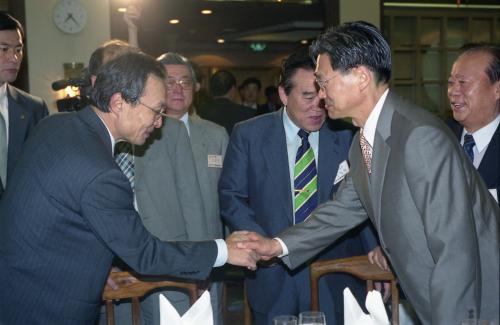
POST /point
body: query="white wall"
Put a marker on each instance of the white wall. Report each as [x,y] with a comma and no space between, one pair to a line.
[49,48]
[367,10]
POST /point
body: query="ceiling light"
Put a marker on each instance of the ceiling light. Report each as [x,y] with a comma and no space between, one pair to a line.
[220,40]
[122,9]
[206,12]
[304,41]
[174,21]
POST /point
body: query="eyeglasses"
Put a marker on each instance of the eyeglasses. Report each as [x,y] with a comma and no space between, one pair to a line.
[186,84]
[322,83]
[158,112]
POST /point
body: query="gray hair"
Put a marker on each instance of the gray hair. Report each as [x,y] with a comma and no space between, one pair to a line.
[177,59]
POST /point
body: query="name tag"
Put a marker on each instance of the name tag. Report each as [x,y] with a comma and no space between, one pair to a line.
[215,161]
[342,172]
[494,193]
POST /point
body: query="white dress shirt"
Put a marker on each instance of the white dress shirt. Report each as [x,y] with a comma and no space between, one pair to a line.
[482,138]
[4,108]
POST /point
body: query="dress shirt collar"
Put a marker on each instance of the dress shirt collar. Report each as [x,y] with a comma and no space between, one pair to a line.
[371,123]
[3,91]
[185,120]
[113,142]
[483,136]
[291,131]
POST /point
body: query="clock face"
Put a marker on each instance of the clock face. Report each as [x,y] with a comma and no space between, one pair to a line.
[70,16]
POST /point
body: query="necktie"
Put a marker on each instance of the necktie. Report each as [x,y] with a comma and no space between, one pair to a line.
[305,180]
[123,158]
[366,149]
[3,151]
[469,144]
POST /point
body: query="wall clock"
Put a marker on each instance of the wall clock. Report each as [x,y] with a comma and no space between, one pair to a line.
[70,16]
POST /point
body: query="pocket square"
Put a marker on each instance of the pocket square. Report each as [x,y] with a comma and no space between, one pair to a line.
[199,313]
[341,172]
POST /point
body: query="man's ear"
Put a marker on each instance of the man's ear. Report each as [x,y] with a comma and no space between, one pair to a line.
[283,96]
[363,75]
[197,87]
[116,103]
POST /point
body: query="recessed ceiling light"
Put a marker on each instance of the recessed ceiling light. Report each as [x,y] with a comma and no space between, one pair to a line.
[122,9]
[206,12]
[304,41]
[174,21]
[220,40]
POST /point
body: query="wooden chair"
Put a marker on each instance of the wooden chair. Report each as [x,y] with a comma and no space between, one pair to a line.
[360,267]
[135,291]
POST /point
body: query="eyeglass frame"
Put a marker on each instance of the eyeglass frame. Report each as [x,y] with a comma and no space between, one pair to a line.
[158,113]
[322,83]
[185,84]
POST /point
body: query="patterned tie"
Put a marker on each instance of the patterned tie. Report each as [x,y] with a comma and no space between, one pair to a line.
[469,143]
[305,180]
[366,149]
[3,151]
[123,158]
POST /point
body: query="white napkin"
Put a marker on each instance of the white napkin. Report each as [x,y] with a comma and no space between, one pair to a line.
[354,315]
[199,313]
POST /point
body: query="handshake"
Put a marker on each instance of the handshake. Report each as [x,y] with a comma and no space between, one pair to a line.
[246,248]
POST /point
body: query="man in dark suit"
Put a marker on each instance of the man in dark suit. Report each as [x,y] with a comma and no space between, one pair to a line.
[436,221]
[69,208]
[19,111]
[475,104]
[222,109]
[259,192]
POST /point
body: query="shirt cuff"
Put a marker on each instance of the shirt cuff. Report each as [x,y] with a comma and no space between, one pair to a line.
[221,253]
[283,247]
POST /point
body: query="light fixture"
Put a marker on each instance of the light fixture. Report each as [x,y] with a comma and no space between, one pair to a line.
[220,40]
[123,9]
[174,21]
[304,41]
[206,12]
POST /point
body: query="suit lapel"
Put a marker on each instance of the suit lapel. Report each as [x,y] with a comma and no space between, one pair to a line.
[276,160]
[360,176]
[381,152]
[328,161]
[488,168]
[18,125]
[199,147]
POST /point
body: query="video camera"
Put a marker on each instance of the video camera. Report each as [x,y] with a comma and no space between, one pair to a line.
[74,103]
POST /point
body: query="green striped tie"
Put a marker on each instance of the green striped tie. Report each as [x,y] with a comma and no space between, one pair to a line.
[305,180]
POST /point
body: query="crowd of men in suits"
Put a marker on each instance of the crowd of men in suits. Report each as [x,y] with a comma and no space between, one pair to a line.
[75,204]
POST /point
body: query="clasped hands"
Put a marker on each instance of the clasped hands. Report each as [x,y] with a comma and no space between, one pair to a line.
[246,248]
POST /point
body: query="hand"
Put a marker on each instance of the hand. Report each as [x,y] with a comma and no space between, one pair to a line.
[376,256]
[384,288]
[122,281]
[132,15]
[239,255]
[267,248]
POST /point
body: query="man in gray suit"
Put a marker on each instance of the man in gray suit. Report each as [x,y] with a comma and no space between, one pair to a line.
[208,143]
[436,220]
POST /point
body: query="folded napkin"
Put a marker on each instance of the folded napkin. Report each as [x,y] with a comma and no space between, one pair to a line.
[354,315]
[199,313]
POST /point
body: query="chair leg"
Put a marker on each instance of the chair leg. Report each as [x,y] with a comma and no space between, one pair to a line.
[110,312]
[246,308]
[136,311]
[395,303]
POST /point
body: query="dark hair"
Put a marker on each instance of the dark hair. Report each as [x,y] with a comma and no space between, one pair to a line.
[108,51]
[127,75]
[355,44]
[7,22]
[221,83]
[299,60]
[493,69]
[177,59]
[249,81]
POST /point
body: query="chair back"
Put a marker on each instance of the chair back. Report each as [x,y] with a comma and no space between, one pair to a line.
[140,288]
[360,267]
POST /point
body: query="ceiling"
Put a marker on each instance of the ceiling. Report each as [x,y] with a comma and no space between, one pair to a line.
[280,25]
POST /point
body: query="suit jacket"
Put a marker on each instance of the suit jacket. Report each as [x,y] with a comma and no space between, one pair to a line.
[67,212]
[224,112]
[436,221]
[25,111]
[209,140]
[489,168]
[168,194]
[255,191]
